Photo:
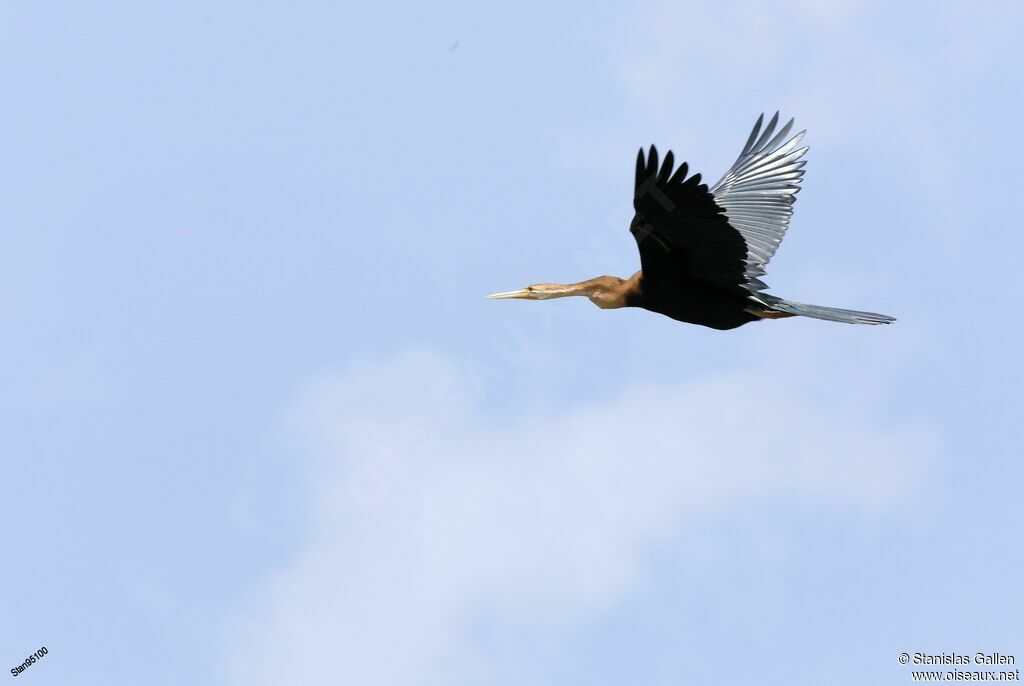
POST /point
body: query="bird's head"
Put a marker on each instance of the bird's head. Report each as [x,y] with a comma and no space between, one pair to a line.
[538,291]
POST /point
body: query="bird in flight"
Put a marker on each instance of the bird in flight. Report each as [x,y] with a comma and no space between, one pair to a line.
[703,251]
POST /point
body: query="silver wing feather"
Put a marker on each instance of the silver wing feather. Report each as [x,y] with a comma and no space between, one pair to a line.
[758,192]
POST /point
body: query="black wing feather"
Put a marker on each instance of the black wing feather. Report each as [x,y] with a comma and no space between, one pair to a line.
[681,231]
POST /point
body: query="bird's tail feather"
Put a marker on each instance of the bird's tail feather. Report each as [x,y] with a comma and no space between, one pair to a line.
[832,314]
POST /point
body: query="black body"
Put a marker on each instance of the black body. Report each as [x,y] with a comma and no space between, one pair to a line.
[694,302]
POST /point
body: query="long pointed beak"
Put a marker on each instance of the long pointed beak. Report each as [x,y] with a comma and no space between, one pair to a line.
[521,293]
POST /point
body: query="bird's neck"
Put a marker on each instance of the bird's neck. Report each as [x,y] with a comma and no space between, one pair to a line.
[609,292]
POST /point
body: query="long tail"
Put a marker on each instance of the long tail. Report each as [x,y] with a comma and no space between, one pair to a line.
[831,314]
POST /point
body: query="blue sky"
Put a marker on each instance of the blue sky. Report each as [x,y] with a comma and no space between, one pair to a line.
[259,425]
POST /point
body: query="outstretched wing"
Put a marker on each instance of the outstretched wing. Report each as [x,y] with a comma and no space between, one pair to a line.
[758,192]
[682,233]
[725,236]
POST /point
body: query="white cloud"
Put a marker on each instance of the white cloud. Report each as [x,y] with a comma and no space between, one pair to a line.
[432,517]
